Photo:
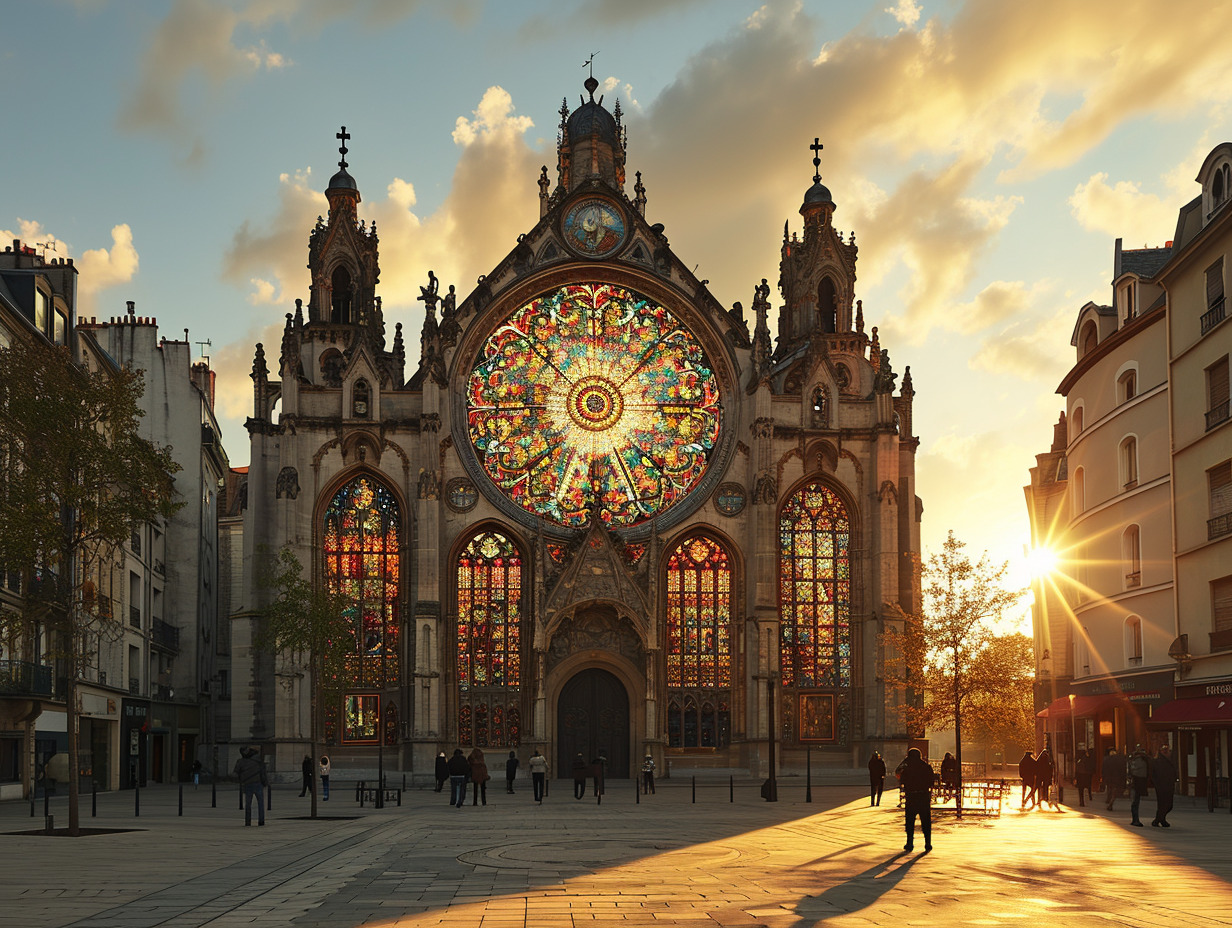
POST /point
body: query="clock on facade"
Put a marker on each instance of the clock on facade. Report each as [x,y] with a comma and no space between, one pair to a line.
[593,399]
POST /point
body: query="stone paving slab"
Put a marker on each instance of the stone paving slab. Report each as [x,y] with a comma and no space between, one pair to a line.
[662,862]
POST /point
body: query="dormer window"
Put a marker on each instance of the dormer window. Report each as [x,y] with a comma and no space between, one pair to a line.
[1088,340]
[1220,184]
[360,400]
[1129,301]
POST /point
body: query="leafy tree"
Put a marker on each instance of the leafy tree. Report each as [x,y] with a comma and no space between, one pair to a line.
[1002,712]
[947,653]
[75,478]
[307,624]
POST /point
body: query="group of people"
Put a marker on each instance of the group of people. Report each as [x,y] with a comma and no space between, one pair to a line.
[1037,773]
[305,769]
[473,769]
[1138,772]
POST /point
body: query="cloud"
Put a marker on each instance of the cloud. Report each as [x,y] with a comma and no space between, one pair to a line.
[997,302]
[102,268]
[232,363]
[907,12]
[493,198]
[1122,210]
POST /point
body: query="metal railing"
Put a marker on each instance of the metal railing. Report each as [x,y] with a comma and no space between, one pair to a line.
[164,636]
[24,678]
[134,616]
[134,686]
[1219,526]
[1213,316]
[1216,415]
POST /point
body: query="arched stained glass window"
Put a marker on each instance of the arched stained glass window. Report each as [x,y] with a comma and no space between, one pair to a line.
[814,590]
[489,640]
[699,644]
[361,552]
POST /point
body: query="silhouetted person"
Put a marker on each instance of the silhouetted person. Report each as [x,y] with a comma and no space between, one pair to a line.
[459,772]
[479,776]
[1164,774]
[1112,771]
[1026,773]
[511,770]
[949,774]
[581,770]
[538,773]
[876,778]
[250,771]
[648,771]
[442,771]
[306,771]
[917,780]
[599,771]
[1043,776]
[1084,773]
[1139,774]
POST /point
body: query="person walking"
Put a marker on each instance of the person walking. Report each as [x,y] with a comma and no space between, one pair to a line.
[459,771]
[305,772]
[1164,775]
[442,771]
[876,778]
[1084,773]
[581,770]
[479,776]
[538,774]
[325,777]
[598,768]
[917,781]
[1043,778]
[648,768]
[196,772]
[250,771]
[511,771]
[1026,773]
[949,775]
[1139,775]
[1112,772]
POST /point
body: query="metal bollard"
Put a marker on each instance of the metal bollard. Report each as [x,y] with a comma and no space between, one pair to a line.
[136,801]
[181,809]
[46,800]
[808,789]
[637,792]
[213,792]
[269,797]
[241,798]
[93,799]
[50,824]
[32,802]
[694,788]
[731,788]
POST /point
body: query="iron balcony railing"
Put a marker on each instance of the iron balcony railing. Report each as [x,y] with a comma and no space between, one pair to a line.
[1213,316]
[1219,526]
[164,636]
[134,616]
[23,678]
[1217,415]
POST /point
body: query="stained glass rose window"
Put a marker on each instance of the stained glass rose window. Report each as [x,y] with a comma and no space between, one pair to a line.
[593,396]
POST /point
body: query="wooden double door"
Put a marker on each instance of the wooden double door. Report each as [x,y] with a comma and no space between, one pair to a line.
[592,717]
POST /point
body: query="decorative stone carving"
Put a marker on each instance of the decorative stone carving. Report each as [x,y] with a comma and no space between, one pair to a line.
[429,484]
[287,484]
[600,629]
[764,490]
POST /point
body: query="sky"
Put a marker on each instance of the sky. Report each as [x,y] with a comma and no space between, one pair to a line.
[985,154]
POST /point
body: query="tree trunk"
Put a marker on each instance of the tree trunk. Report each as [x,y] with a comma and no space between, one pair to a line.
[957,740]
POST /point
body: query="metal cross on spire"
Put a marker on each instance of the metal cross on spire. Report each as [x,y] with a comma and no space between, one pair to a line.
[342,136]
[816,148]
[590,63]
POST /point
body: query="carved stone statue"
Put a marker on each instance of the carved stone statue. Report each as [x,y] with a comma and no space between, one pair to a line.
[287,484]
[883,382]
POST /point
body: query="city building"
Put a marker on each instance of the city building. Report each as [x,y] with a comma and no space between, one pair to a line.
[604,513]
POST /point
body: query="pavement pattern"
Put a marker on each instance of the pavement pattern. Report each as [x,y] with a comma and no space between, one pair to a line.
[663,861]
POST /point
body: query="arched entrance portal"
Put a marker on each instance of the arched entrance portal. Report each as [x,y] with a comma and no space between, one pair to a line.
[592,715]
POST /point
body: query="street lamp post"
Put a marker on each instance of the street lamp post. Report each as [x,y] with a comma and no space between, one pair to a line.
[772,791]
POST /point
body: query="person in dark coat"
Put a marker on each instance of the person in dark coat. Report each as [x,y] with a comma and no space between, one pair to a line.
[876,778]
[598,769]
[949,774]
[1164,775]
[459,772]
[442,771]
[1112,772]
[1139,776]
[511,770]
[1043,776]
[306,770]
[1026,773]
[581,770]
[250,771]
[479,776]
[917,781]
[1084,773]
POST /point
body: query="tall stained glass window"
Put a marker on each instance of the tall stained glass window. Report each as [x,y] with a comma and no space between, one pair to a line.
[814,592]
[699,652]
[593,397]
[489,640]
[361,553]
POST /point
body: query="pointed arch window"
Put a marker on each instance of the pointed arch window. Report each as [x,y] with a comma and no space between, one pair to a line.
[488,641]
[361,400]
[340,296]
[821,409]
[815,600]
[361,551]
[827,305]
[699,644]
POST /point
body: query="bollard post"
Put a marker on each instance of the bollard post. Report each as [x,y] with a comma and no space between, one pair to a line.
[213,792]
[731,787]
[808,762]
[46,800]
[136,800]
[93,798]
[50,824]
[637,793]
[181,810]
[694,778]
[32,801]
[269,797]
[241,798]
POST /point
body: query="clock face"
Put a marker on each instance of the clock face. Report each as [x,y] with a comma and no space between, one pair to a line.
[593,398]
[594,228]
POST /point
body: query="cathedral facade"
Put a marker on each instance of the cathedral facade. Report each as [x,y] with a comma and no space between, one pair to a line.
[600,513]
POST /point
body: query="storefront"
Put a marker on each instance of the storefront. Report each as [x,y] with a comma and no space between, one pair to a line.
[1200,719]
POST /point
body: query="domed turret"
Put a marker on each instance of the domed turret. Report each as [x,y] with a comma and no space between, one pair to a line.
[817,197]
[342,188]
[592,143]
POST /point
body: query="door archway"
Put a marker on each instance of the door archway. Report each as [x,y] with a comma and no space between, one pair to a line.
[592,715]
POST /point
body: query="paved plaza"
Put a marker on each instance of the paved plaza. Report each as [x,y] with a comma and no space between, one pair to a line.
[665,861]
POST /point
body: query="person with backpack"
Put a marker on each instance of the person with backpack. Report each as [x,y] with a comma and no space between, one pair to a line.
[538,774]
[250,771]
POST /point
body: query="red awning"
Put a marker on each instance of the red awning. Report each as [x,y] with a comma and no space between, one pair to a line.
[1202,710]
[1085,707]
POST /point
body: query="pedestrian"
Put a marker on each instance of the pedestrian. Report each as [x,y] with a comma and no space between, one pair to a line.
[876,778]
[598,767]
[442,771]
[648,767]
[1164,774]
[324,778]
[250,771]
[511,771]
[949,774]
[1139,775]
[305,770]
[538,774]
[1084,773]
[1112,772]
[1043,777]
[917,781]
[479,776]
[196,772]
[459,772]
[581,770]
[1026,772]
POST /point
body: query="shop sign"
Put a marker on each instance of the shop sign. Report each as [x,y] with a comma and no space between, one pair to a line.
[1190,690]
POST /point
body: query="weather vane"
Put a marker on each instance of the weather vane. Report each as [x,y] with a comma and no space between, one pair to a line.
[342,136]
